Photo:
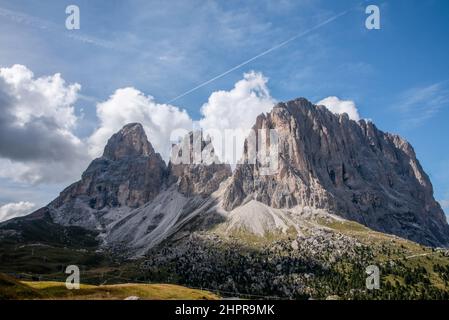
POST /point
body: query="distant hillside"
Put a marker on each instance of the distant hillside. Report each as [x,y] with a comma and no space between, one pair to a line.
[17,290]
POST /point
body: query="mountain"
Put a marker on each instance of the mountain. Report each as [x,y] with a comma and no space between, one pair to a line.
[128,175]
[346,167]
[326,161]
[343,193]
[187,193]
[132,198]
[200,171]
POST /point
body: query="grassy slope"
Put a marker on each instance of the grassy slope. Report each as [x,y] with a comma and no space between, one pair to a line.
[36,247]
[10,288]
[35,244]
[405,266]
[57,290]
[36,254]
[13,289]
[389,248]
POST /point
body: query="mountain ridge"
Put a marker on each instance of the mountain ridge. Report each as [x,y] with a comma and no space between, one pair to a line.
[291,234]
[326,161]
[350,168]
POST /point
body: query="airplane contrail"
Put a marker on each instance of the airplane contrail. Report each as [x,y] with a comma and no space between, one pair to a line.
[45,25]
[279,45]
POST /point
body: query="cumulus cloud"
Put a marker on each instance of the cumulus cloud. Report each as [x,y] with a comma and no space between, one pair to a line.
[128,105]
[15,209]
[236,110]
[37,120]
[338,106]
[233,109]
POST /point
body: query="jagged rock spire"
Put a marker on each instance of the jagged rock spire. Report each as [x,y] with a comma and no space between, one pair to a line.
[130,173]
[130,141]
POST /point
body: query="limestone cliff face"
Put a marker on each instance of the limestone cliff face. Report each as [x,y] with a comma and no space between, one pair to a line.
[199,172]
[326,161]
[130,173]
[346,167]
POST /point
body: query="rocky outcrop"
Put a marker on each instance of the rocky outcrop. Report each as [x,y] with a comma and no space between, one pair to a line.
[195,167]
[349,168]
[130,173]
[132,197]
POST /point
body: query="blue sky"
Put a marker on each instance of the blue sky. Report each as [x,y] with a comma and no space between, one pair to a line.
[397,76]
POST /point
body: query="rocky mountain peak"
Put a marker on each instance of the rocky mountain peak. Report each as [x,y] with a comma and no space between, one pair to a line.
[130,141]
[325,161]
[129,174]
[349,168]
[195,167]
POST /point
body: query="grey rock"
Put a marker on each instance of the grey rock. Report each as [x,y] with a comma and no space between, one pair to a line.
[349,168]
[129,174]
[200,171]
[133,198]
[326,162]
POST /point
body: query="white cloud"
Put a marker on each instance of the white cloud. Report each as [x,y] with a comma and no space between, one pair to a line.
[128,105]
[15,209]
[420,104]
[37,140]
[236,109]
[338,106]
[37,120]
[38,97]
[43,172]
[38,144]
